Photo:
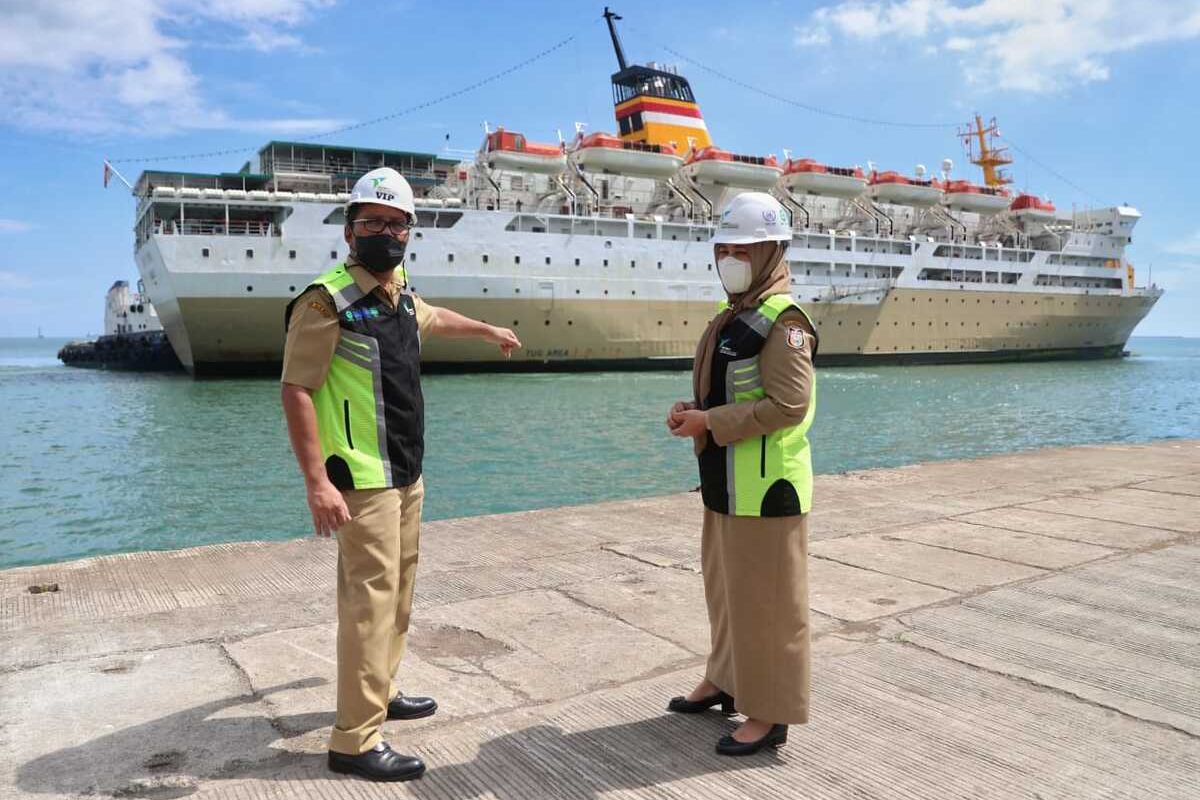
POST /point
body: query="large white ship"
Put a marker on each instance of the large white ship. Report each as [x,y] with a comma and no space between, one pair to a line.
[595,250]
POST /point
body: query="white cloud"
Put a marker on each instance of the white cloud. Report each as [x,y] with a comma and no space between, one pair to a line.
[15,280]
[13,226]
[118,66]
[1022,45]
[1185,247]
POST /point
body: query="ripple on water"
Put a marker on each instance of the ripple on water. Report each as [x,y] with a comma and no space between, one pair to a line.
[111,463]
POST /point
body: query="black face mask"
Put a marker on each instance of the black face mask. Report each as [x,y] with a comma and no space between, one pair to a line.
[379,253]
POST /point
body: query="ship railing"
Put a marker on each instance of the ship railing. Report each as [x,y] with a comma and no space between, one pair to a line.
[309,166]
[214,228]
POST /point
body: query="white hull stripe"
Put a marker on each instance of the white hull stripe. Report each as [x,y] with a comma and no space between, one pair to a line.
[673,119]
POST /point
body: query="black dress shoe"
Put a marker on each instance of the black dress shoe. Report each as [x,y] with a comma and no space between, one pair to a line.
[729,746]
[682,705]
[380,763]
[411,707]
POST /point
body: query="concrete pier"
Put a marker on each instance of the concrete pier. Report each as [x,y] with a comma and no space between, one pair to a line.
[1021,626]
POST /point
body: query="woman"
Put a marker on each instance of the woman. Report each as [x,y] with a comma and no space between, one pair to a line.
[753,387]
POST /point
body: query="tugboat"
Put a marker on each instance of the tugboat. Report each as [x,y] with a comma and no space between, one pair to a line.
[133,338]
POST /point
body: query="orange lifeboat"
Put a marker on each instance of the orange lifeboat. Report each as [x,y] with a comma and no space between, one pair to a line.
[807,176]
[604,152]
[892,187]
[1031,208]
[512,151]
[714,165]
[967,196]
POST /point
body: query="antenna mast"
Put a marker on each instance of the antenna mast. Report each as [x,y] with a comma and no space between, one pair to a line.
[609,16]
[990,157]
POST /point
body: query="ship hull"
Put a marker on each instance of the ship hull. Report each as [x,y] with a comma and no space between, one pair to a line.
[599,296]
[246,336]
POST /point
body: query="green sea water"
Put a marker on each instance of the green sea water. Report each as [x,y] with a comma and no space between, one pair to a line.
[99,462]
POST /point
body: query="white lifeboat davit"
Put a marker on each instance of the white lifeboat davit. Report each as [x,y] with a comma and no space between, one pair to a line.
[1031,208]
[807,176]
[967,196]
[604,152]
[713,165]
[892,187]
[512,151]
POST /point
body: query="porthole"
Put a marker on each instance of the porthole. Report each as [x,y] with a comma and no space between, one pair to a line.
[249,252]
[291,288]
[485,258]
[291,253]
[606,262]
[516,259]
[333,254]
[249,288]
[577,262]
[547,322]
[204,252]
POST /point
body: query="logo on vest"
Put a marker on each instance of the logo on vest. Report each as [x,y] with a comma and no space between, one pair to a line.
[724,348]
[361,314]
[795,337]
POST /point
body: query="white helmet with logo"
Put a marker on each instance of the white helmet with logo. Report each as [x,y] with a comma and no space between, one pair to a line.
[753,217]
[386,187]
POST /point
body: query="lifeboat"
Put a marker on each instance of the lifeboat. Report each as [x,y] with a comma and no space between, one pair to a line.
[807,176]
[604,152]
[967,196]
[1031,208]
[714,165]
[512,151]
[892,187]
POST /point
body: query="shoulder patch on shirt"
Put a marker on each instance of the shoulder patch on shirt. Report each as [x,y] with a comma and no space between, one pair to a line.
[795,337]
[320,309]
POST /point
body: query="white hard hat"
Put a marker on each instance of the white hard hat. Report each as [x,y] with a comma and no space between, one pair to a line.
[753,217]
[386,187]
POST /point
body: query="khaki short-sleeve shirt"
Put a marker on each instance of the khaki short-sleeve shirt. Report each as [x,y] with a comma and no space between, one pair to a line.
[313,329]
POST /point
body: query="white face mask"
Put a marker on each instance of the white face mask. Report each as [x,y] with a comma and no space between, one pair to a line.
[735,274]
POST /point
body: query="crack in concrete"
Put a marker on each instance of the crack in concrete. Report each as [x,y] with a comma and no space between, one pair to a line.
[647,562]
[1045,687]
[618,618]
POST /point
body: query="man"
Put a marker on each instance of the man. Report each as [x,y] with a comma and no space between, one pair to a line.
[352,397]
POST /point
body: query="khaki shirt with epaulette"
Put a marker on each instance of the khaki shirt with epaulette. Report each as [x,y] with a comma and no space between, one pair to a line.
[313,329]
[785,363]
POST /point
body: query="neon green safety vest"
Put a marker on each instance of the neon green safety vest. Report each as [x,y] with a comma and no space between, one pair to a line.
[370,411]
[770,475]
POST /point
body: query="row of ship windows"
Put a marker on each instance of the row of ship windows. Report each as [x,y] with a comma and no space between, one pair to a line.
[1007,302]
[964,324]
[206,253]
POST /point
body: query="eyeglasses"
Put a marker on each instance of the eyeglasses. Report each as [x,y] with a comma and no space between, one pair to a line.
[396,227]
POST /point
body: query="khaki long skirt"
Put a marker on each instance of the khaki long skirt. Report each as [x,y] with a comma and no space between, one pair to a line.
[756,587]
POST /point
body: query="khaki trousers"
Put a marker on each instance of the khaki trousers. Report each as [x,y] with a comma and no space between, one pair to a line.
[377,567]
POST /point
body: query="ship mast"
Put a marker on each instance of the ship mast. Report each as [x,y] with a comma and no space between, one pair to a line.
[990,158]
[609,16]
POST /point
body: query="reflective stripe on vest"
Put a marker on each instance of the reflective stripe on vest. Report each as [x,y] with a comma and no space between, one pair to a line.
[767,475]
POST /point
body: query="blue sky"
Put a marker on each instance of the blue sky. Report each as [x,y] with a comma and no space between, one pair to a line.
[1101,92]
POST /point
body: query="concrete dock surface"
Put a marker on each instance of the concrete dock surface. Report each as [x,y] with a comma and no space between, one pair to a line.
[1019,626]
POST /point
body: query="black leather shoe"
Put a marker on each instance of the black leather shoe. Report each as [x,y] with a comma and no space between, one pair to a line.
[411,707]
[381,763]
[729,746]
[682,705]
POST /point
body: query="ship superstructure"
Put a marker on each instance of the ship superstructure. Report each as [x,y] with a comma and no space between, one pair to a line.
[595,250]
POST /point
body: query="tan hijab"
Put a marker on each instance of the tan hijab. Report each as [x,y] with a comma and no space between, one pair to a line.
[769,275]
